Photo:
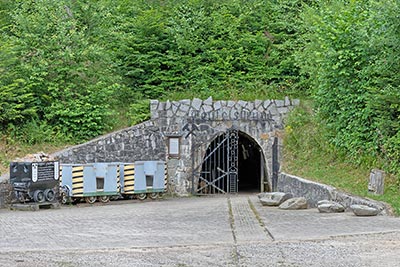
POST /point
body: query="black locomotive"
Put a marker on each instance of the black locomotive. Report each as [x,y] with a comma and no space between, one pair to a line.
[35,181]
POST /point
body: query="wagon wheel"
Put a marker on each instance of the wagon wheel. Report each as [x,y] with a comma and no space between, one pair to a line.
[142,196]
[153,196]
[90,200]
[104,199]
[64,199]
[160,195]
[38,196]
[49,194]
[65,195]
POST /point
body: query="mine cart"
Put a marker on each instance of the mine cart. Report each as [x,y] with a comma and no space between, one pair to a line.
[102,181]
[95,181]
[35,181]
[149,179]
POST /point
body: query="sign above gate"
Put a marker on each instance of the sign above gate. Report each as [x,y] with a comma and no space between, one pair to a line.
[216,115]
[178,112]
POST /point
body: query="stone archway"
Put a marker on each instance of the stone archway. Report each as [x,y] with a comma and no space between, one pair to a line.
[233,162]
[186,128]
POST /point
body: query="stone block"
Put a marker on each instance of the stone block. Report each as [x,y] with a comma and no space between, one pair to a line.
[324,201]
[208,101]
[217,105]
[167,105]
[287,101]
[272,109]
[330,207]
[184,108]
[376,182]
[266,104]
[283,110]
[250,105]
[273,198]
[207,108]
[185,102]
[170,113]
[257,103]
[153,104]
[280,103]
[161,106]
[175,107]
[154,114]
[231,104]
[296,203]
[196,104]
[241,103]
[363,210]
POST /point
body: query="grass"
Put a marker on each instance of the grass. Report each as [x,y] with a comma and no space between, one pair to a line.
[308,154]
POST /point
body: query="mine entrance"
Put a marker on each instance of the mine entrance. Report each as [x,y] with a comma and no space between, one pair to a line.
[252,175]
[233,163]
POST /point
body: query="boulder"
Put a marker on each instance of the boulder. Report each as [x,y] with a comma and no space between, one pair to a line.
[325,201]
[274,198]
[363,210]
[296,203]
[330,207]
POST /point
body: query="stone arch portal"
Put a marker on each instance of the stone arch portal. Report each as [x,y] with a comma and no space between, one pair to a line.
[181,132]
[233,162]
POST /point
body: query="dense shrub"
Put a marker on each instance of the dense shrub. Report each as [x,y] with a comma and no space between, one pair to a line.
[352,57]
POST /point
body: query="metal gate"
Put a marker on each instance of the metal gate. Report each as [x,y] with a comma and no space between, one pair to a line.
[218,171]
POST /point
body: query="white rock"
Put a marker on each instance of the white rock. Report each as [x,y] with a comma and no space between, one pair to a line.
[363,210]
[294,204]
[331,207]
[274,198]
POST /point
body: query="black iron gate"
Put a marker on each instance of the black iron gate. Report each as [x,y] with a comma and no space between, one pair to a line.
[218,171]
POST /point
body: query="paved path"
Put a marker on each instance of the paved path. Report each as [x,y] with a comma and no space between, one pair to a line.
[214,231]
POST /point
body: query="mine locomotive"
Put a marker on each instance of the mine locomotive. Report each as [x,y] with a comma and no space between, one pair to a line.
[35,181]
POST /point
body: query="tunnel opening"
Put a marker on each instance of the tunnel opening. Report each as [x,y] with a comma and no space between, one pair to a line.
[233,163]
[250,165]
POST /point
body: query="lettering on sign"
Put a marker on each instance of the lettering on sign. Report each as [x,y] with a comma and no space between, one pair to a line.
[223,115]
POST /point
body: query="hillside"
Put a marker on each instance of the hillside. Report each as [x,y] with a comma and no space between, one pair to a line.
[73,70]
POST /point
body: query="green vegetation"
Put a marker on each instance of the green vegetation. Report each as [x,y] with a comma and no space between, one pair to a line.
[309,154]
[67,67]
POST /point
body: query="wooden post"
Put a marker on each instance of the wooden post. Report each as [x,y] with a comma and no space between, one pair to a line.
[376,182]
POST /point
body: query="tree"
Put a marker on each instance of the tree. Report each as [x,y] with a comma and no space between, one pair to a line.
[353,58]
[56,68]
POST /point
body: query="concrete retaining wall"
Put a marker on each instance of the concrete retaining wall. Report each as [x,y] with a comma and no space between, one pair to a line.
[314,192]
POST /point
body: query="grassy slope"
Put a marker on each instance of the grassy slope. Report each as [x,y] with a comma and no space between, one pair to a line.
[307,154]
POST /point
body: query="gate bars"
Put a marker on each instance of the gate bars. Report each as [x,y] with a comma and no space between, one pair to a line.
[218,171]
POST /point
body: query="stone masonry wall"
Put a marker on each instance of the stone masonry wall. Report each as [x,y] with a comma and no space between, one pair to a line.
[200,121]
[140,142]
[193,122]
[314,192]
